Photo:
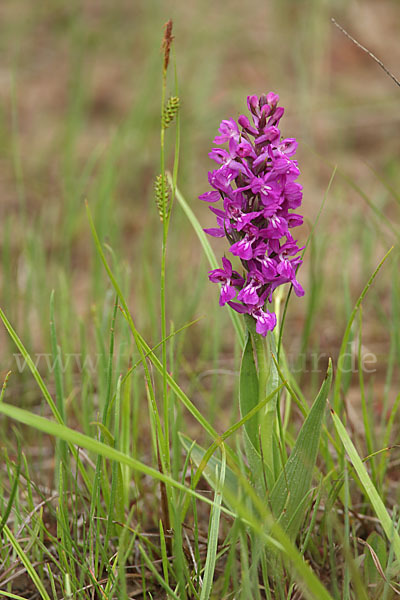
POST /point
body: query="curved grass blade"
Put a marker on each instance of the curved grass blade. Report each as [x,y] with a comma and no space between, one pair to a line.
[370,489]
[27,563]
[152,350]
[339,372]
[378,212]
[212,545]
[14,488]
[32,367]
[161,581]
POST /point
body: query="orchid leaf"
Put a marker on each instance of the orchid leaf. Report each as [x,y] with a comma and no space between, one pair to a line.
[248,392]
[248,399]
[294,482]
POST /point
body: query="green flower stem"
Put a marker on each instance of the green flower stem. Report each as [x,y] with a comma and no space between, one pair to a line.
[260,345]
[165,222]
[268,416]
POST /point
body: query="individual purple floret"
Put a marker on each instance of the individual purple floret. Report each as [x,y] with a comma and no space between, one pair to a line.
[229,280]
[256,181]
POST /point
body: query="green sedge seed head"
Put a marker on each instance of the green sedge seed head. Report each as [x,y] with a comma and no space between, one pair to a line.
[162,196]
[170,110]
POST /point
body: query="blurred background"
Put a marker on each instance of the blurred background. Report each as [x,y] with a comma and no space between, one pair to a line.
[80,86]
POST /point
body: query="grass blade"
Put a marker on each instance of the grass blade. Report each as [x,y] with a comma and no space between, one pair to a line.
[368,486]
[343,347]
[13,492]
[27,563]
[213,531]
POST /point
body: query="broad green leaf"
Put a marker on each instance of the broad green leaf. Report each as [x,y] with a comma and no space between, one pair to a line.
[269,416]
[248,391]
[370,489]
[294,481]
[214,464]
[248,399]
[262,424]
[268,382]
[299,512]
[273,375]
[231,485]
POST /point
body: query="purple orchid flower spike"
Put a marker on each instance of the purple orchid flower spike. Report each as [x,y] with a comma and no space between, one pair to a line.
[256,181]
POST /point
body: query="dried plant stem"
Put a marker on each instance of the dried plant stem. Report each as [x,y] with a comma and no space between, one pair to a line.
[380,63]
